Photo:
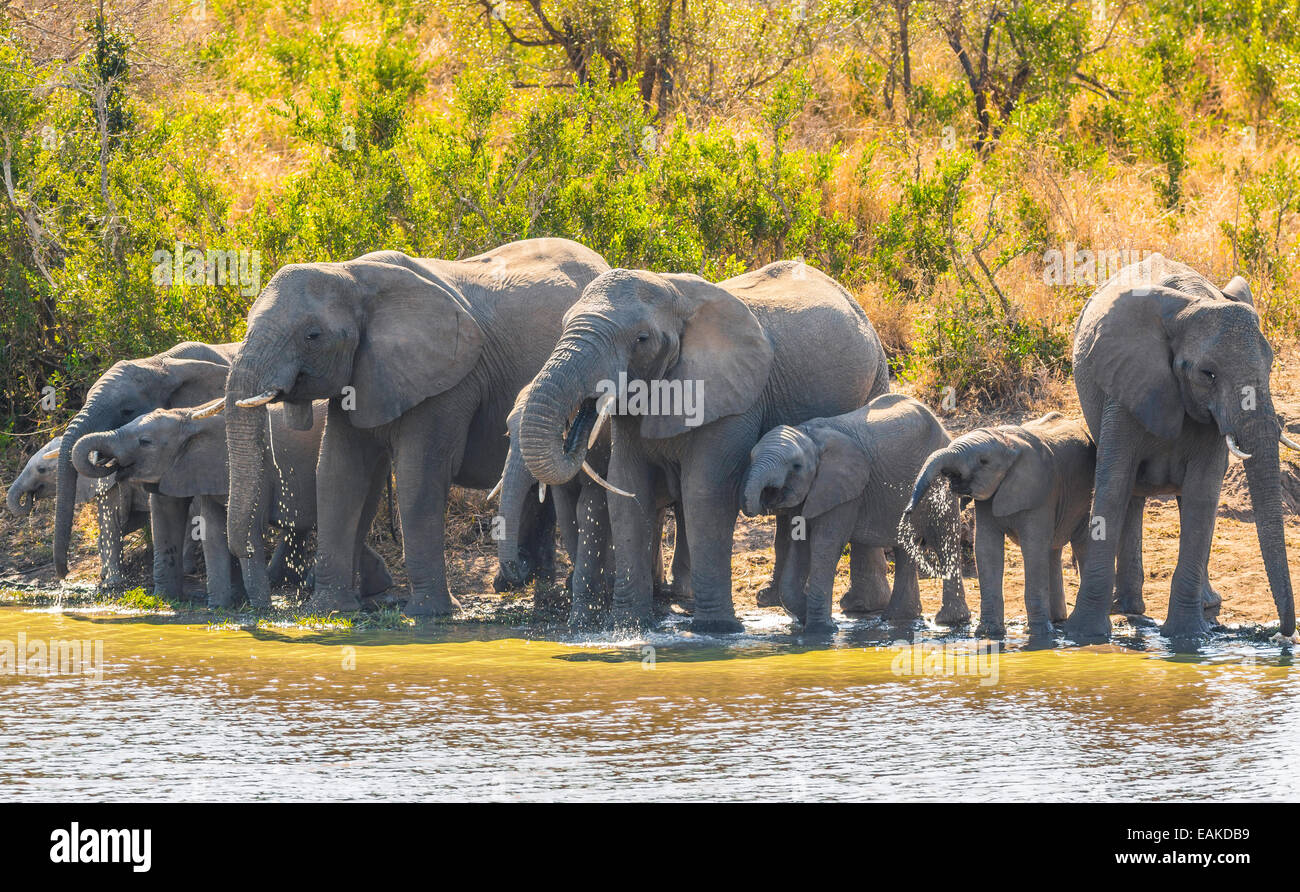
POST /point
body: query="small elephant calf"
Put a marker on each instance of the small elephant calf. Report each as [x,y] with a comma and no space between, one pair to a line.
[847,479]
[1032,482]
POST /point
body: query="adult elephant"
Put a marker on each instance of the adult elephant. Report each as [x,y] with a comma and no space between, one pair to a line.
[1173,374]
[779,345]
[188,374]
[421,360]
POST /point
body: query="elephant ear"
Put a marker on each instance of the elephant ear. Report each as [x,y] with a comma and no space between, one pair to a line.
[723,348]
[194,381]
[418,340]
[843,470]
[1026,484]
[199,468]
[1126,345]
[1239,290]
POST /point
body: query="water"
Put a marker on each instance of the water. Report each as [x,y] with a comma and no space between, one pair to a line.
[468,712]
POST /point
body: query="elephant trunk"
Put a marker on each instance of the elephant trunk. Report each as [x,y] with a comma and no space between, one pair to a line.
[516,489]
[20,499]
[1264,481]
[563,387]
[94,453]
[90,418]
[938,464]
[245,438]
[765,472]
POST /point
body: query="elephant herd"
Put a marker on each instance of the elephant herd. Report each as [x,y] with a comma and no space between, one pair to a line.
[597,401]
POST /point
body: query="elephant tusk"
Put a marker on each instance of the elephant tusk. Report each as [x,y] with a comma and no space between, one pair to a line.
[1287,441]
[541,492]
[52,454]
[1235,449]
[601,417]
[261,399]
[591,472]
[216,407]
[496,489]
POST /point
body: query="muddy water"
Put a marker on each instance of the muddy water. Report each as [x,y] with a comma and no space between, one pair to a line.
[482,712]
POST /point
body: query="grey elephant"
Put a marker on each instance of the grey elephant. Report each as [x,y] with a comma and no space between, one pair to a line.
[182,453]
[421,360]
[1173,375]
[846,480]
[188,374]
[1033,483]
[701,371]
[582,516]
[123,508]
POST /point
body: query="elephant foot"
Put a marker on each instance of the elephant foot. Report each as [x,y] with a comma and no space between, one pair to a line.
[1128,604]
[431,605]
[821,629]
[259,600]
[863,601]
[955,614]
[1185,626]
[720,625]
[113,582]
[1211,602]
[629,622]
[1088,626]
[324,601]
[584,619]
[991,629]
[1041,630]
[768,596]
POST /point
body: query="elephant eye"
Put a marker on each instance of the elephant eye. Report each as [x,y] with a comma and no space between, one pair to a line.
[1207,373]
[643,337]
[145,441]
[983,460]
[797,466]
[313,335]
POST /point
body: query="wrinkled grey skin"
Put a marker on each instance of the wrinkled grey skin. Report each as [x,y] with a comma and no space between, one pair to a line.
[188,374]
[1032,482]
[1161,362]
[183,456]
[582,515]
[779,345]
[848,478]
[432,353]
[123,508]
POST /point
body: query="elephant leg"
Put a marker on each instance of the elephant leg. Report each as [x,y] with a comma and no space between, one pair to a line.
[1056,607]
[344,479]
[1036,549]
[277,571]
[905,600]
[793,584]
[1196,514]
[824,547]
[681,560]
[659,579]
[112,523]
[954,610]
[1129,575]
[590,559]
[1116,471]
[168,524]
[868,581]
[566,516]
[771,595]
[990,544]
[1211,601]
[371,568]
[711,494]
[216,554]
[631,523]
[537,540]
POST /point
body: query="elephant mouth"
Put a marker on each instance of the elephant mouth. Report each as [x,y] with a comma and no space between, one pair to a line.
[580,426]
[110,464]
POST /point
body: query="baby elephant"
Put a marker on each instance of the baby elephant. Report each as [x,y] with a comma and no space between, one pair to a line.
[124,508]
[1032,482]
[182,452]
[846,479]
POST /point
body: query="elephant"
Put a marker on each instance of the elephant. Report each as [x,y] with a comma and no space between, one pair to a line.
[1173,375]
[188,374]
[839,478]
[421,361]
[1032,482]
[778,345]
[123,508]
[582,515]
[182,453]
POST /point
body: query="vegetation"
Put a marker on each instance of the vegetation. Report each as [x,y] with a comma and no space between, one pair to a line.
[162,160]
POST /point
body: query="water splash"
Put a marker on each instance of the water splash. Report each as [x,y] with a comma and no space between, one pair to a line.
[940,510]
